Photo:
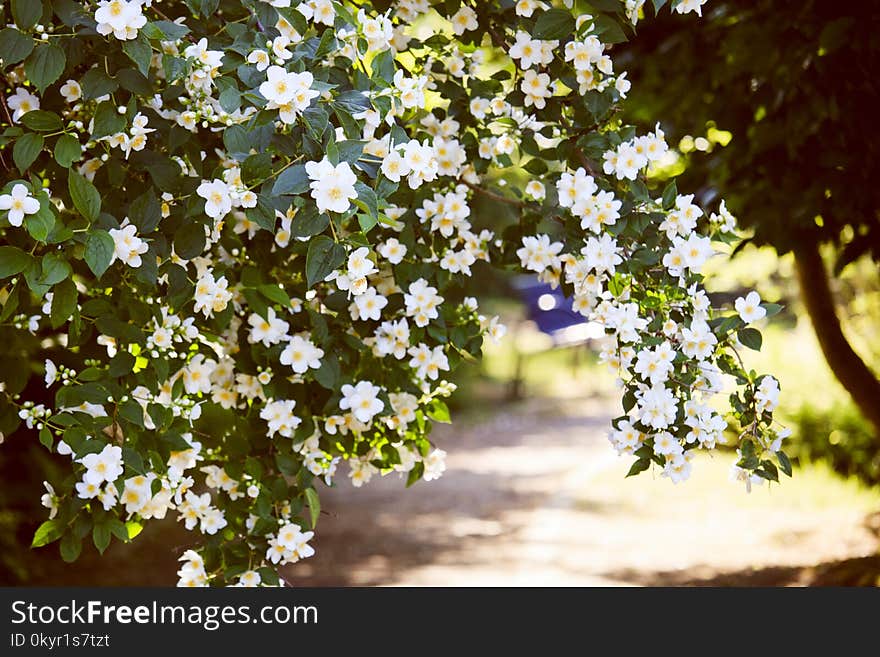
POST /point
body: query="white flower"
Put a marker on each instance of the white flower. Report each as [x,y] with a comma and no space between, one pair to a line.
[301,354]
[71,91]
[421,302]
[218,200]
[280,417]
[19,203]
[128,247]
[291,93]
[749,308]
[536,87]
[260,58]
[51,373]
[362,399]
[121,18]
[332,186]
[435,464]
[211,295]
[269,330]
[369,305]
[393,251]
[50,500]
[22,102]
[104,466]
[537,253]
[463,20]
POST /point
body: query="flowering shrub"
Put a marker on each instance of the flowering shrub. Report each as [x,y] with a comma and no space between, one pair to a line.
[248,223]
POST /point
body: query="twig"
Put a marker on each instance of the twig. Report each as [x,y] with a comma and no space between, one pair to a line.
[496,197]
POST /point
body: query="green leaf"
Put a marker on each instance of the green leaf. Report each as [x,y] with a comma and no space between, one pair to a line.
[293,180]
[189,240]
[101,536]
[329,372]
[439,412]
[145,212]
[771,308]
[314,505]
[276,294]
[108,121]
[46,439]
[67,150]
[669,196]
[96,83]
[133,527]
[118,529]
[12,261]
[49,531]
[99,251]
[64,297]
[140,52]
[121,364]
[71,546]
[26,13]
[45,65]
[170,31]
[554,24]
[307,222]
[42,121]
[26,149]
[609,29]
[784,462]
[230,98]
[41,223]
[639,466]
[323,257]
[658,5]
[85,196]
[750,338]
[366,200]
[14,46]
[54,269]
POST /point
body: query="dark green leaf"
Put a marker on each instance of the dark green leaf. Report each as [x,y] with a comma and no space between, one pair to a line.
[293,180]
[784,462]
[669,196]
[26,149]
[26,13]
[101,536]
[639,466]
[323,257]
[12,261]
[750,338]
[42,121]
[99,251]
[71,546]
[85,196]
[96,83]
[67,150]
[140,52]
[554,24]
[14,46]
[108,121]
[64,297]
[189,240]
[45,65]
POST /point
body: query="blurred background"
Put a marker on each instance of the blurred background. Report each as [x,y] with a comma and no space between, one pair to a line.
[770,104]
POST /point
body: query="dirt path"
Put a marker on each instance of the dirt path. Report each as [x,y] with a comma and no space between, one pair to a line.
[536,496]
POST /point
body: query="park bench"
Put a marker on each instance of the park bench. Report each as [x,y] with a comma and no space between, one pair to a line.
[549,312]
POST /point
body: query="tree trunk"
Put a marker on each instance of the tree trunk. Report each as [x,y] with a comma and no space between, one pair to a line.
[852,372]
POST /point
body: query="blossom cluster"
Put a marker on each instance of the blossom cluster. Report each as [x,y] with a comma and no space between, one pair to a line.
[248,237]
